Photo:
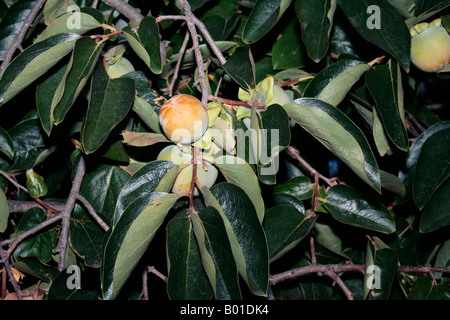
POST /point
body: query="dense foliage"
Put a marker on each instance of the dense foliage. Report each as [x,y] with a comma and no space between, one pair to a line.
[332,151]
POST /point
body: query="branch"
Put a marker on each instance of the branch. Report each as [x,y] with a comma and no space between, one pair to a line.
[124,8]
[67,213]
[4,258]
[198,55]
[307,166]
[177,67]
[21,35]
[92,211]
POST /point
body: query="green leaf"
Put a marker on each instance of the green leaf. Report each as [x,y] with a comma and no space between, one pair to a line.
[33,62]
[146,43]
[425,289]
[298,187]
[47,93]
[84,57]
[216,253]
[101,187]
[109,103]
[383,268]
[427,8]
[35,184]
[86,237]
[147,114]
[130,237]
[59,290]
[392,183]
[265,14]
[349,206]
[385,85]
[4,211]
[241,67]
[6,144]
[186,279]
[146,180]
[334,82]
[432,167]
[76,22]
[407,173]
[55,8]
[245,233]
[384,26]
[39,245]
[436,213]
[287,51]
[12,22]
[339,134]
[316,20]
[285,226]
[142,139]
[28,139]
[239,173]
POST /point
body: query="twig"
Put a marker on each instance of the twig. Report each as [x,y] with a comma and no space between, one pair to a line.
[21,35]
[149,269]
[177,67]
[313,251]
[5,259]
[92,211]
[67,213]
[307,166]
[125,9]
[198,55]
[341,284]
[23,206]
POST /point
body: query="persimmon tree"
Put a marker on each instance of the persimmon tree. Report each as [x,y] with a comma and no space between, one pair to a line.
[324,151]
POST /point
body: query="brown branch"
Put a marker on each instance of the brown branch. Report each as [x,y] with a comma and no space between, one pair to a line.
[67,213]
[124,8]
[5,259]
[149,269]
[23,206]
[196,46]
[341,284]
[92,211]
[177,67]
[307,166]
[21,35]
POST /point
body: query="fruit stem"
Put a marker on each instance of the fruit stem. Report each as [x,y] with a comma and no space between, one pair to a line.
[194,178]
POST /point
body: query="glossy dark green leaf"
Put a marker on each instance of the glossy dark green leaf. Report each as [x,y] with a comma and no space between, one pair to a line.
[436,213]
[33,62]
[376,25]
[6,144]
[339,134]
[186,279]
[86,237]
[285,227]
[13,20]
[146,43]
[245,233]
[75,22]
[288,51]
[109,103]
[4,211]
[385,85]
[85,55]
[334,82]
[425,7]
[216,253]
[381,269]
[40,245]
[130,237]
[147,114]
[60,290]
[35,184]
[300,187]
[265,14]
[241,174]
[349,206]
[146,180]
[241,67]
[28,138]
[425,289]
[316,20]
[101,187]
[47,93]
[432,167]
